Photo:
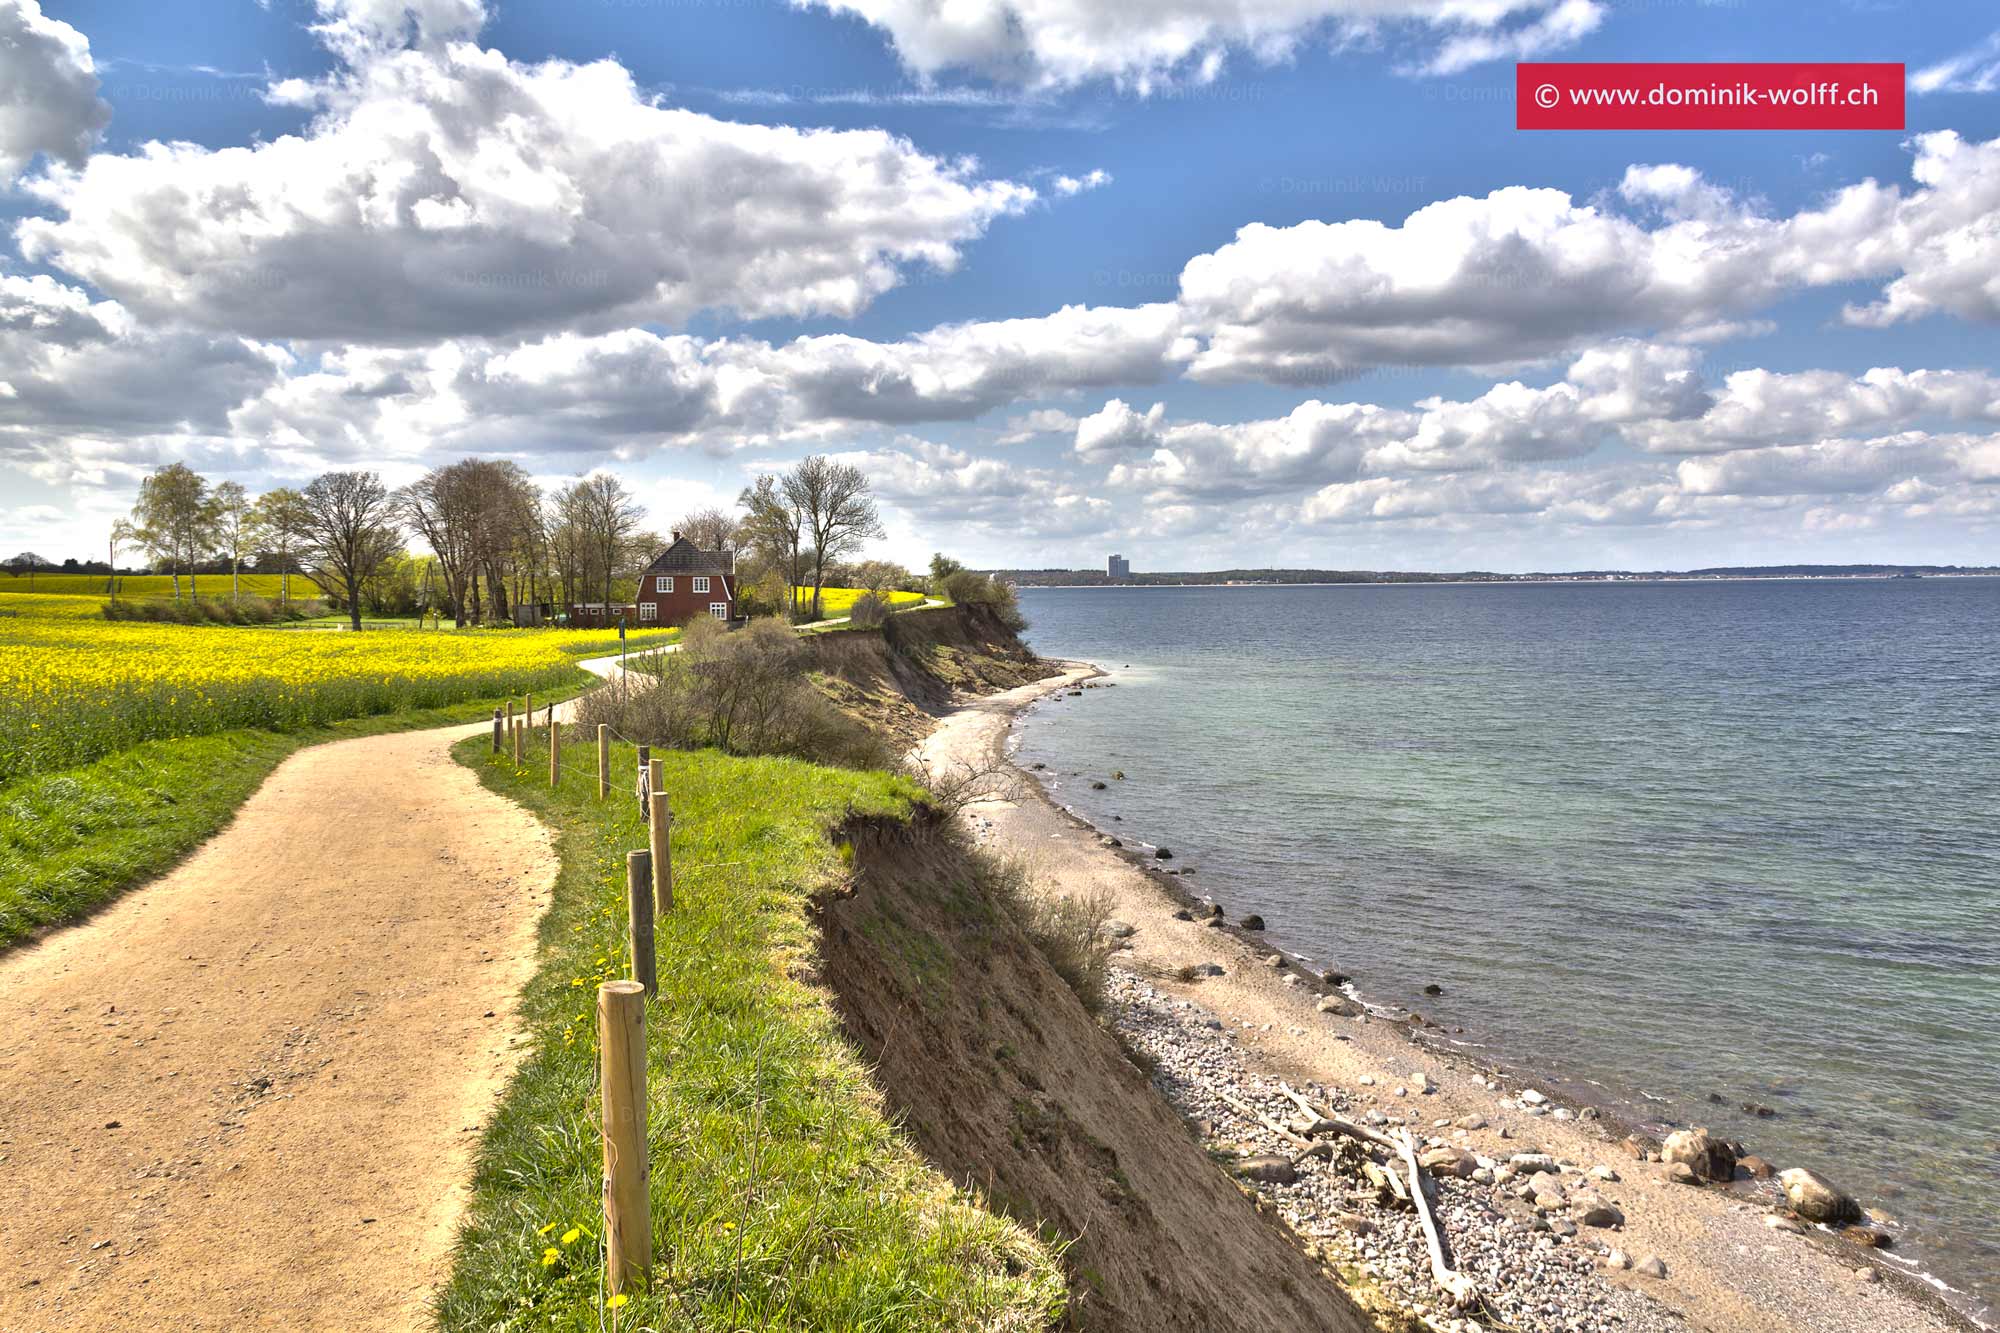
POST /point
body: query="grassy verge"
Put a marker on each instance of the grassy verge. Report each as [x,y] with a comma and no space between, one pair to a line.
[70,841]
[782,1198]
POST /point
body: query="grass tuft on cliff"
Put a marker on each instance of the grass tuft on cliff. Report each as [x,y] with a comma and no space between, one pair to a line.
[782,1196]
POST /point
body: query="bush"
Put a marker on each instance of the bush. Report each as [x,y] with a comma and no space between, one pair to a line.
[746,692]
[868,612]
[1067,928]
[210,611]
[969,589]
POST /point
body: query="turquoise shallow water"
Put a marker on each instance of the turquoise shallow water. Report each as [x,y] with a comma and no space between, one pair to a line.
[1676,841]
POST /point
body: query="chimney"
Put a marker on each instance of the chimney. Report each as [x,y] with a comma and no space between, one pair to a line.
[677,534]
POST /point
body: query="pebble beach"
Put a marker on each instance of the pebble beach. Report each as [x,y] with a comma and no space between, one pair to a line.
[1561,1217]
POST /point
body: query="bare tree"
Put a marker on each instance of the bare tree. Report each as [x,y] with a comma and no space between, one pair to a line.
[610,518]
[348,532]
[280,521]
[122,534]
[839,514]
[233,531]
[442,508]
[175,518]
[711,529]
[772,527]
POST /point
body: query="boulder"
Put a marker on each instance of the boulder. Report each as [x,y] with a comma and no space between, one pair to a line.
[1528,1163]
[1334,978]
[1268,1170]
[1650,1266]
[1252,922]
[1471,1122]
[1707,1156]
[1873,1237]
[1682,1174]
[1815,1198]
[1335,1004]
[1182,914]
[1756,1168]
[1547,1192]
[1530,1097]
[1447,1161]
[1355,1223]
[1118,930]
[1434,989]
[1097,786]
[1617,1259]
[1162,854]
[1274,961]
[1594,1210]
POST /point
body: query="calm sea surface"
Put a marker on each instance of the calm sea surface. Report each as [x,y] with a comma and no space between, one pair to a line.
[1661,841]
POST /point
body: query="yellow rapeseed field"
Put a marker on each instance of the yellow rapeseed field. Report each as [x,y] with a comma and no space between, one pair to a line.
[153,587]
[75,687]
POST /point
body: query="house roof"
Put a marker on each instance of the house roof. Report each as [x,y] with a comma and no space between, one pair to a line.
[684,557]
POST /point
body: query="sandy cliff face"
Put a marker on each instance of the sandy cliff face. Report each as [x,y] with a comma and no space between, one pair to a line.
[898,679]
[1008,1083]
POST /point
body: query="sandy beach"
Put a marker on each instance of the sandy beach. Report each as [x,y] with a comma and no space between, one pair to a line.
[1731,1260]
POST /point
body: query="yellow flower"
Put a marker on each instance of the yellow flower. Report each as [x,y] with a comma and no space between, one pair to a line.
[550,1256]
[569,1237]
[543,1231]
[617,1302]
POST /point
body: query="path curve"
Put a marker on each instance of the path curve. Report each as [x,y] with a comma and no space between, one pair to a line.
[249,1094]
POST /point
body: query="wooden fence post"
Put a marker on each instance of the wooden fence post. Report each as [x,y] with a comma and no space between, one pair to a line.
[518,731]
[528,713]
[639,908]
[496,731]
[628,1211]
[660,827]
[603,760]
[645,765]
[555,753]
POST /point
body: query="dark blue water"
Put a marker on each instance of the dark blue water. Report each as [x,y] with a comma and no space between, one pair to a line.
[1672,839]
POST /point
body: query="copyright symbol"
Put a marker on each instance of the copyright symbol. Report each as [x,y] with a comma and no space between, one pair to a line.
[1547,96]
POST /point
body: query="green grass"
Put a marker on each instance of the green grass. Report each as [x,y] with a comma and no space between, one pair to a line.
[73,840]
[782,1197]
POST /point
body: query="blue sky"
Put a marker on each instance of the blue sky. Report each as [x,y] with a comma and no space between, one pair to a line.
[1000,257]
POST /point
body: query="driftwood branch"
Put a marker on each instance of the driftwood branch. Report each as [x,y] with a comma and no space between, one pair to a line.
[1462,1289]
[1244,1108]
[1341,1124]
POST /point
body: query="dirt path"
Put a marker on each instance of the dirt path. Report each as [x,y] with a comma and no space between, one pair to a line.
[1728,1272]
[248,1095]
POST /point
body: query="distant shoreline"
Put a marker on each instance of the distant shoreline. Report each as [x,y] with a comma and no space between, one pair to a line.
[1921,1300]
[1513,581]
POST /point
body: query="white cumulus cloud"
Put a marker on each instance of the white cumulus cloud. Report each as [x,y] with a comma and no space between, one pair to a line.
[48,90]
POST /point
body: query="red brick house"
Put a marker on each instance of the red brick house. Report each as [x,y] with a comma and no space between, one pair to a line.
[684,582]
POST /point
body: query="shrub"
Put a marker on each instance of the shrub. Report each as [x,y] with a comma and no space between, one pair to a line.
[210,611]
[868,612]
[746,692]
[969,589]
[1067,928]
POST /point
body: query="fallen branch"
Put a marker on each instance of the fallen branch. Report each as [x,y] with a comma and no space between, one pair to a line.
[1340,1123]
[1463,1291]
[1253,1113]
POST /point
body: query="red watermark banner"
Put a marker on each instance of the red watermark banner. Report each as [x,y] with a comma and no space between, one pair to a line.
[1587,96]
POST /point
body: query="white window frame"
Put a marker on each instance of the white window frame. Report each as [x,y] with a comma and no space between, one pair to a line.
[649,611]
[720,610]
[664,583]
[700,584]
